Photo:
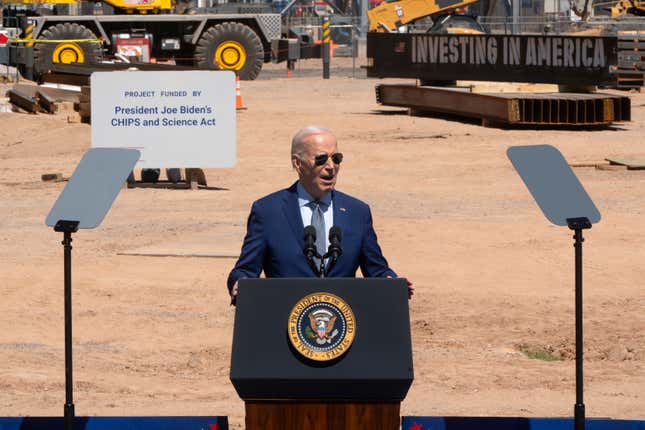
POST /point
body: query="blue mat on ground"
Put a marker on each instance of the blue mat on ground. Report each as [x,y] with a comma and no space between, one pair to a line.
[112,423]
[503,423]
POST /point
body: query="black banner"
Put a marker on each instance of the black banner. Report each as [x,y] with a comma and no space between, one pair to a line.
[556,59]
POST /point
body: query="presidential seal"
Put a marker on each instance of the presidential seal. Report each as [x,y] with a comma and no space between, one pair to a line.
[321,326]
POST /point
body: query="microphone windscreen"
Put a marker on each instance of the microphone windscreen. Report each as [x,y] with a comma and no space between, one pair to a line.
[310,230]
[335,232]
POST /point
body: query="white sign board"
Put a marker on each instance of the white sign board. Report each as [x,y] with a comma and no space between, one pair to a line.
[174,118]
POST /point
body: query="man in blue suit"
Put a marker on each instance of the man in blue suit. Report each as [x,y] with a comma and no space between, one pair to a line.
[274,239]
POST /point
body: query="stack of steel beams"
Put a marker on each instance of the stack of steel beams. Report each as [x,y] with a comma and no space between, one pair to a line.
[35,99]
[556,109]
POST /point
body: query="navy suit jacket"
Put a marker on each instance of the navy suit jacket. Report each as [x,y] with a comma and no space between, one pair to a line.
[274,240]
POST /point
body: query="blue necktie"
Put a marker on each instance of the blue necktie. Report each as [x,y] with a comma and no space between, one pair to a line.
[318,221]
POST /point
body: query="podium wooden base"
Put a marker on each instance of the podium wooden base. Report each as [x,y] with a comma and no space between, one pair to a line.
[317,415]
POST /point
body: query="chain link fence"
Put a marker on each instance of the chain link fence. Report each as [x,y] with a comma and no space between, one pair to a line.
[345,32]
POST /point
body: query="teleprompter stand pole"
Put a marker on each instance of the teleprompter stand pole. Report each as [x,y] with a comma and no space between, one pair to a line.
[67,228]
[577,225]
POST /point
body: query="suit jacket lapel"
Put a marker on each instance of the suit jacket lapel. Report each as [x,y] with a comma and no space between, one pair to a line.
[292,213]
[340,212]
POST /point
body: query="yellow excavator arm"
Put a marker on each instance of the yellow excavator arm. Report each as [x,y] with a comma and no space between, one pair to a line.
[624,7]
[388,16]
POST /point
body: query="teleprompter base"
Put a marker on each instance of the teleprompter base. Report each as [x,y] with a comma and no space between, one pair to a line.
[321,415]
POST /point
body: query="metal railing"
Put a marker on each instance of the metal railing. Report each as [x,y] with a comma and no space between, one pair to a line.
[527,24]
[601,25]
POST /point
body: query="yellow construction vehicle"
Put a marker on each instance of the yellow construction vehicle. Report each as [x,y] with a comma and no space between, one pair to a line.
[624,7]
[390,16]
[230,36]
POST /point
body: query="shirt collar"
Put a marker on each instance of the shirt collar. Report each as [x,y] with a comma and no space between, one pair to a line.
[304,198]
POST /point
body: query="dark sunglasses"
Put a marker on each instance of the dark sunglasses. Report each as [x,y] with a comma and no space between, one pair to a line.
[321,159]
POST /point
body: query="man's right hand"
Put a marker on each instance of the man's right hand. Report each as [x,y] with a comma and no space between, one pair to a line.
[234,293]
[410,287]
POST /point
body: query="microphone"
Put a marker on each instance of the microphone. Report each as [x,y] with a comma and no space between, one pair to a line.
[334,251]
[310,242]
[310,250]
[335,236]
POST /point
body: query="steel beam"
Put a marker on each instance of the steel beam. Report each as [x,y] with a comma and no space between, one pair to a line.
[23,101]
[511,108]
[457,102]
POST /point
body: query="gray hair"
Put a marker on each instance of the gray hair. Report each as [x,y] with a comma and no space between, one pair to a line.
[298,141]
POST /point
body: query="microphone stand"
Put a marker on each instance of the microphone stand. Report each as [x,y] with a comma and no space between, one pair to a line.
[312,264]
[321,273]
[332,262]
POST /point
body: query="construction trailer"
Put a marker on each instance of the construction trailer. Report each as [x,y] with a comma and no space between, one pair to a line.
[239,37]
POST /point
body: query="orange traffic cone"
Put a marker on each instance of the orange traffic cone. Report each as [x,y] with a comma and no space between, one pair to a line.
[238,95]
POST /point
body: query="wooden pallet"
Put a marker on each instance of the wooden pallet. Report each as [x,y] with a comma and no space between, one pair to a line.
[631,61]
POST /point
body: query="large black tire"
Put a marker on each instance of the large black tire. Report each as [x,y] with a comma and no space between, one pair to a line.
[150,175]
[231,46]
[45,54]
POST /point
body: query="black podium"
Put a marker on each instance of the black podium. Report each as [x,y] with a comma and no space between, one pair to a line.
[322,353]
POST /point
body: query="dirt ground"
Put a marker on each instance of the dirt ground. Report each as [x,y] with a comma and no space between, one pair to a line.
[492,317]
